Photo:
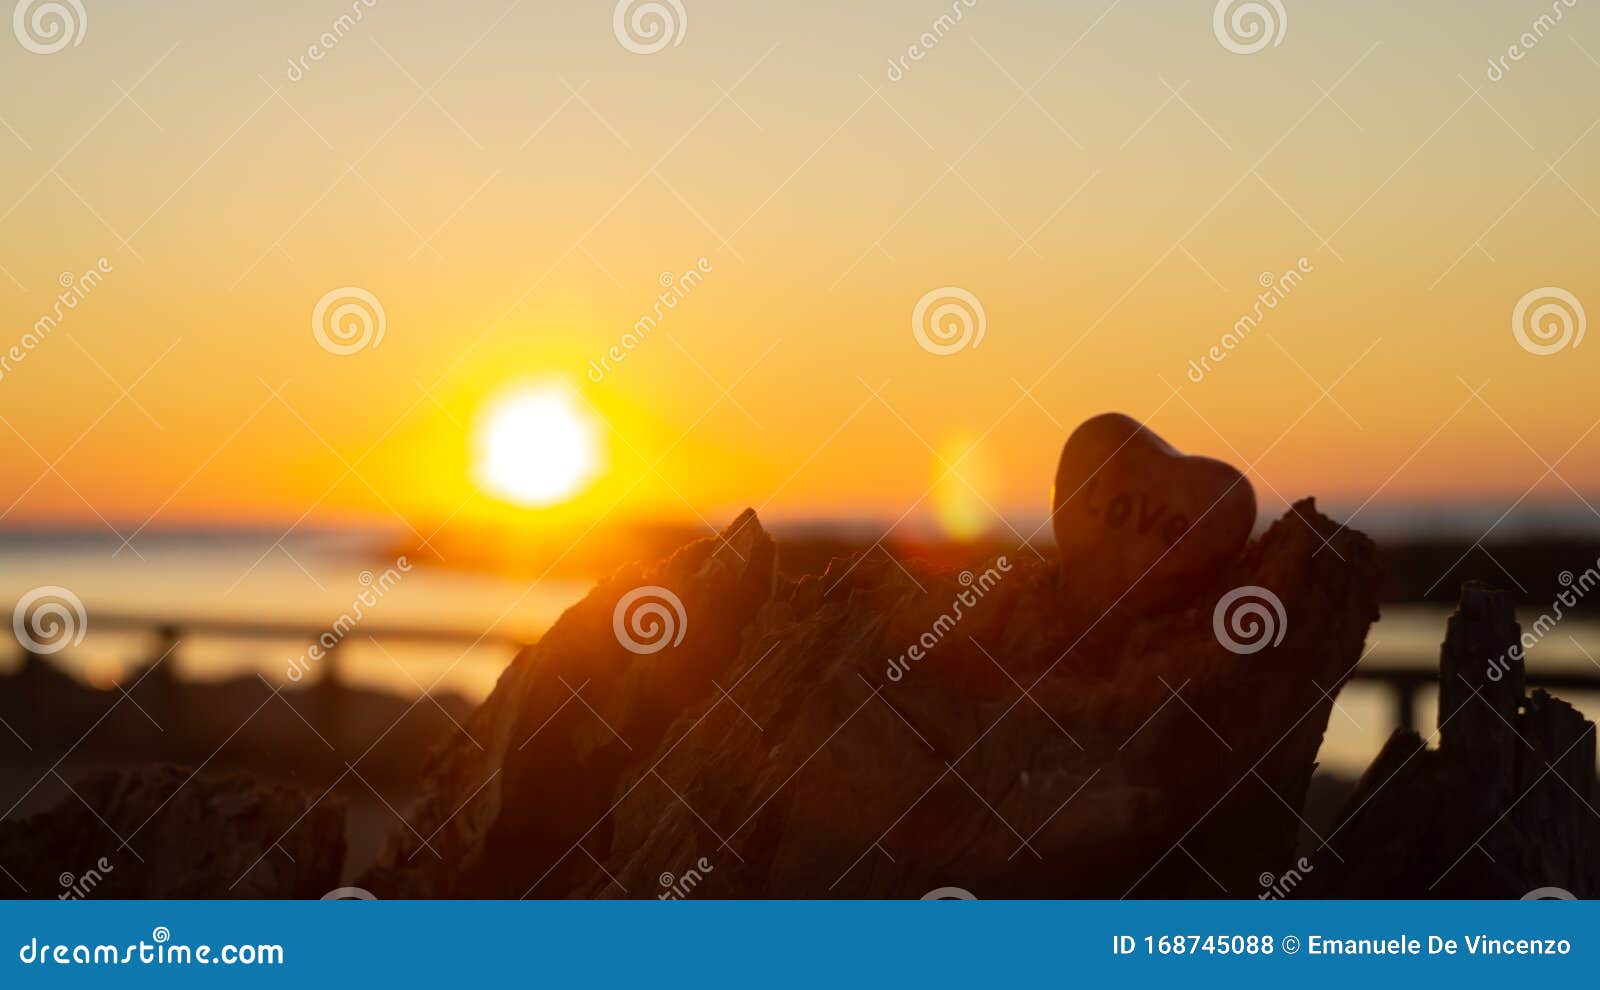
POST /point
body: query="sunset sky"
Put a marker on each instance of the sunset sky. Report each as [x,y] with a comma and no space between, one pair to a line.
[511,183]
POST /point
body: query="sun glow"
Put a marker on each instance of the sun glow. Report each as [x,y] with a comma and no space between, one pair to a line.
[961,473]
[536,447]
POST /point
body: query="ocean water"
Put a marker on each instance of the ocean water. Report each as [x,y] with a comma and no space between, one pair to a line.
[305,584]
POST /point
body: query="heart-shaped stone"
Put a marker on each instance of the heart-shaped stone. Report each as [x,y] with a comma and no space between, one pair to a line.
[1138,521]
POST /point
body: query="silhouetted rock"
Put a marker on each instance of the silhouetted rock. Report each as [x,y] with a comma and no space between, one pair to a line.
[187,836]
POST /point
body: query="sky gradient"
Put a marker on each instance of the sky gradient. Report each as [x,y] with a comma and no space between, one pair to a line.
[1108,179]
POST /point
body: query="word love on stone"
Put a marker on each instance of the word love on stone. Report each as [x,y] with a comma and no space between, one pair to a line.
[1136,519]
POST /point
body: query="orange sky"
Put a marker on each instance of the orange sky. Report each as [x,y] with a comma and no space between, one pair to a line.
[1107,179]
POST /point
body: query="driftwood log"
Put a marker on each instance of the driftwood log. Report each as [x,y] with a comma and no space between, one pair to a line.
[1034,750]
[1504,807]
[887,729]
[188,836]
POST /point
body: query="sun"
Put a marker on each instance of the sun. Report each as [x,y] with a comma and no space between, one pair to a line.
[535,447]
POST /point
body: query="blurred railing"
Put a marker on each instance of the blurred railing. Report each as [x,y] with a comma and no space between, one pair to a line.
[169,710]
[169,633]
[1405,682]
